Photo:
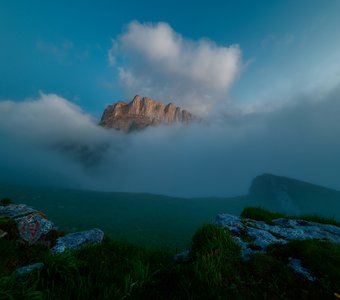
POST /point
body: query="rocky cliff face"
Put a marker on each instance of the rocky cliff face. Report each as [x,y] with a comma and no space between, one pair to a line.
[142,112]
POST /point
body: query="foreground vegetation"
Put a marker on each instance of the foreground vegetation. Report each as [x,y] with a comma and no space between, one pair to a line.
[213,270]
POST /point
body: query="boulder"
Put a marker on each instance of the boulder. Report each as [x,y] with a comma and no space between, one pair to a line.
[78,239]
[32,225]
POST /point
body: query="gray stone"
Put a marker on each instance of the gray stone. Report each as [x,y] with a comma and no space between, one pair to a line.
[182,256]
[233,223]
[16,210]
[78,239]
[295,264]
[20,272]
[2,233]
[262,238]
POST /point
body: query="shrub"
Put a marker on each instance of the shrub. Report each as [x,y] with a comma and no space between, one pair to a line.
[318,219]
[260,214]
[9,225]
[5,201]
[213,272]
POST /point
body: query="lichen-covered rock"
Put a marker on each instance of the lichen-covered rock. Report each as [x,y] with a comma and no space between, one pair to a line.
[233,223]
[254,236]
[78,239]
[34,227]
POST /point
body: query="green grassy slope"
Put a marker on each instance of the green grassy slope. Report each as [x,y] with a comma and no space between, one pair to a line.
[161,221]
[143,219]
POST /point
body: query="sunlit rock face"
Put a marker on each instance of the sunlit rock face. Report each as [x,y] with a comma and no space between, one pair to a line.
[141,113]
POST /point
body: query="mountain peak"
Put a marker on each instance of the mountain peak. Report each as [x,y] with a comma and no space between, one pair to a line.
[141,113]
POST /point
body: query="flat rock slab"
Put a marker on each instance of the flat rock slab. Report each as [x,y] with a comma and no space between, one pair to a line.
[78,239]
[16,210]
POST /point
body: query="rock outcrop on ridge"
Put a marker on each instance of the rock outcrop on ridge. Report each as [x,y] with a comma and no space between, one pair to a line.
[141,113]
[256,236]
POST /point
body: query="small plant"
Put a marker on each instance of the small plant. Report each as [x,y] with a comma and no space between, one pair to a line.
[5,201]
[212,239]
[9,225]
[318,219]
[53,235]
[261,214]
[320,257]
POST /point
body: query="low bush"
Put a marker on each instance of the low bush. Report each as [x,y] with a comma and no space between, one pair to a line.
[5,201]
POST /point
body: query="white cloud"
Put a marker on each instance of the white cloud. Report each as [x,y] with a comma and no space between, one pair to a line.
[48,119]
[50,140]
[158,62]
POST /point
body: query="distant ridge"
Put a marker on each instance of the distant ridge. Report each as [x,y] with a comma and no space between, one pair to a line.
[141,113]
[294,196]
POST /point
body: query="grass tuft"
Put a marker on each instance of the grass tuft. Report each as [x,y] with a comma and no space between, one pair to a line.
[5,201]
[9,225]
[261,214]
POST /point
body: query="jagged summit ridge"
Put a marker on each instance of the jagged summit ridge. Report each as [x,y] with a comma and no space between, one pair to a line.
[142,112]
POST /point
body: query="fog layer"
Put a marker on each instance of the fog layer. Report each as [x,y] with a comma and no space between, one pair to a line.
[50,141]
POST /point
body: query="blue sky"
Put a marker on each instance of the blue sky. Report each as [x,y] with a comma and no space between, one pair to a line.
[265,74]
[287,47]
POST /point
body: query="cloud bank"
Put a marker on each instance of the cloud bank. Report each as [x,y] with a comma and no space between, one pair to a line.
[50,141]
[154,60]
